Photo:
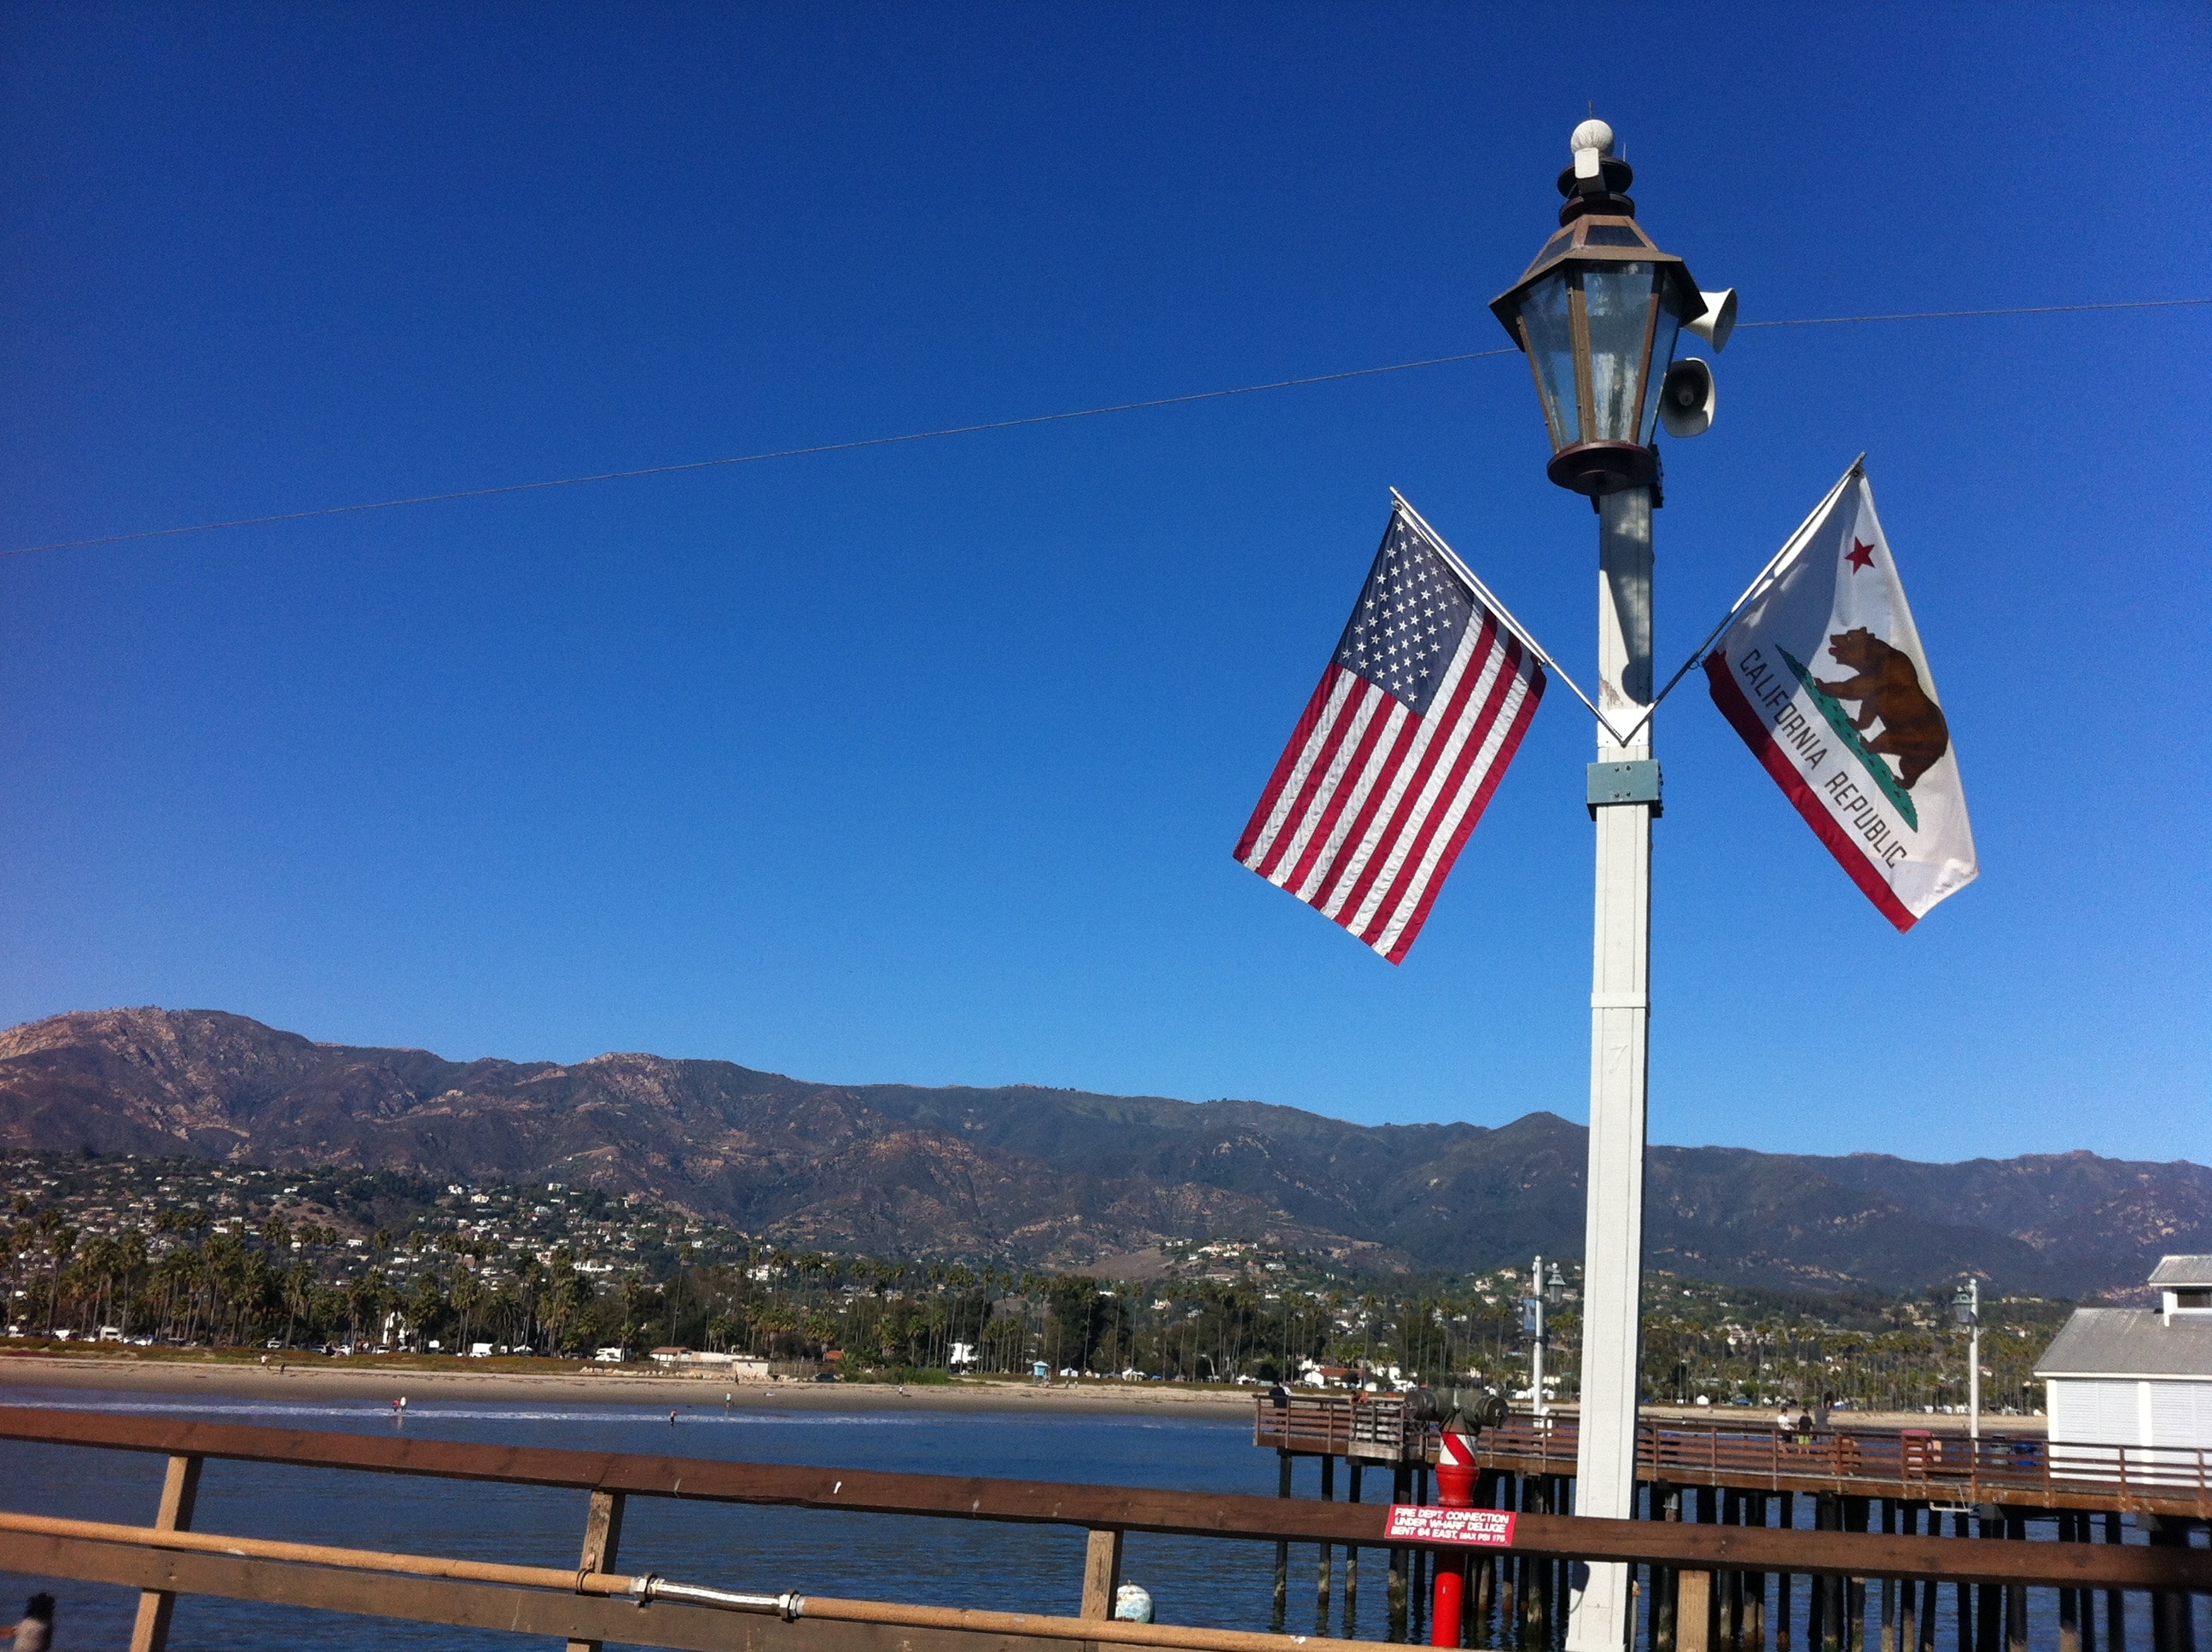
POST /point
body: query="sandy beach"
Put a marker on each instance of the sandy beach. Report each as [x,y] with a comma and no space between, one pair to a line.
[315,1376]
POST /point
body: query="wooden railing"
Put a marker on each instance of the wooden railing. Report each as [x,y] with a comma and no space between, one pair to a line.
[1914,1464]
[1372,1426]
[597,1602]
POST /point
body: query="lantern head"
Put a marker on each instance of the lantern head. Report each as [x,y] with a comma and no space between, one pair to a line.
[1597,313]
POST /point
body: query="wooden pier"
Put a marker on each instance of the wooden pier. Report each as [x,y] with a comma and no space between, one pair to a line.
[1741,1480]
[1688,1571]
[1913,1465]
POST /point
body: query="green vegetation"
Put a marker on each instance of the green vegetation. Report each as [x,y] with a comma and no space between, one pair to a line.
[178,1251]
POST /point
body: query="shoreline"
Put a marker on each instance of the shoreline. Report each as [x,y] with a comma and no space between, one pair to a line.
[325,1379]
[318,1378]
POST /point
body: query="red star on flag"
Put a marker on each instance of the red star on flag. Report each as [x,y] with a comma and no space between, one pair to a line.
[1861,556]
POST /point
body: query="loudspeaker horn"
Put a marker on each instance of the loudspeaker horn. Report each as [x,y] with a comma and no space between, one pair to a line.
[1686,398]
[1718,321]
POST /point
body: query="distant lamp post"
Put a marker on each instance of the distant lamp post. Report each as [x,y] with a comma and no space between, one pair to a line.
[1966,1312]
[1543,1294]
[1599,312]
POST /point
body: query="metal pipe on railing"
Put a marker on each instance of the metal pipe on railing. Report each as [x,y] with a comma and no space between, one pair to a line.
[317,1554]
[652,1587]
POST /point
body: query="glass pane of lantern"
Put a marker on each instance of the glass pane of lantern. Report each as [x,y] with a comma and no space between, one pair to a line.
[1549,328]
[1663,340]
[1619,297]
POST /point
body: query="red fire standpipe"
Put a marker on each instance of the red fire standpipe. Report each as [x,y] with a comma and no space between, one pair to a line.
[1455,1473]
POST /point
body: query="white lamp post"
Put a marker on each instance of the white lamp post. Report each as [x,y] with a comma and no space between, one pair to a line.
[1542,1295]
[1966,1310]
[1598,313]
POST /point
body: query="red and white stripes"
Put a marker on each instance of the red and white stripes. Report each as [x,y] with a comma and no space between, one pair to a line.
[1370,802]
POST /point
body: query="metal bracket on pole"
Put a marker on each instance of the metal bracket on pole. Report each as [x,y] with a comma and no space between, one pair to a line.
[1633,781]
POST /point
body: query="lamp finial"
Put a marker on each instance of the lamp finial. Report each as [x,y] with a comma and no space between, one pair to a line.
[1592,141]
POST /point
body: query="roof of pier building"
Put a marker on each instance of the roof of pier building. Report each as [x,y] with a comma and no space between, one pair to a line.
[2136,1342]
[2184,1271]
[2173,1341]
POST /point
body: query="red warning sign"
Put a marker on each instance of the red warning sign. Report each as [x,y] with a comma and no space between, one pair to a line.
[1492,1528]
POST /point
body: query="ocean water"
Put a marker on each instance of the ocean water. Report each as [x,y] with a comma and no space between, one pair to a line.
[942,1562]
[939,1562]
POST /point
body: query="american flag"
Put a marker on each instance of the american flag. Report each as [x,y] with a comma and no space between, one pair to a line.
[1421,708]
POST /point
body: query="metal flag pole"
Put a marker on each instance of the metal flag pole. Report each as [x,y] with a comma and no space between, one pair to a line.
[1974,1359]
[1532,1318]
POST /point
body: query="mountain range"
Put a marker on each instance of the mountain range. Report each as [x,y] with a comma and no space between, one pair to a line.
[1069,1179]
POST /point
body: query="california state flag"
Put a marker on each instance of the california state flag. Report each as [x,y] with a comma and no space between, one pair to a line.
[1823,675]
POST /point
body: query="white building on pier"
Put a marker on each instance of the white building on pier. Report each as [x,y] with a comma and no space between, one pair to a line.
[2138,1376]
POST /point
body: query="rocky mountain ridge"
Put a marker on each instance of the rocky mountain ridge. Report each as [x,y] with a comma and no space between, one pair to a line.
[1064,1178]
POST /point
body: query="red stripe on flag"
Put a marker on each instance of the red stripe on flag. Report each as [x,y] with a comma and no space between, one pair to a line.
[1309,720]
[1511,744]
[1728,695]
[1348,845]
[1440,720]
[1410,811]
[1330,738]
[1347,783]
[1320,791]
[1508,673]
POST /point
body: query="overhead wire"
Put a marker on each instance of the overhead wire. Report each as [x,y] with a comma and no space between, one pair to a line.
[856,443]
[755,458]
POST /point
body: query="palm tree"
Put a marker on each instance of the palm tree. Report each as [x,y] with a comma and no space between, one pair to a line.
[61,1240]
[131,1263]
[428,1307]
[178,1273]
[298,1290]
[468,1295]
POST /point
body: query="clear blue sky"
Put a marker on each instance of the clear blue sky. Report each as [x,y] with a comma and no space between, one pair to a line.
[924,763]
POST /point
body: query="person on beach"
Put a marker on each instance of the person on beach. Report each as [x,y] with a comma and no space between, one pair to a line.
[36,1632]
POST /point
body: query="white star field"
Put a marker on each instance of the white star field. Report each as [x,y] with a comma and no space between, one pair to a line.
[1408,620]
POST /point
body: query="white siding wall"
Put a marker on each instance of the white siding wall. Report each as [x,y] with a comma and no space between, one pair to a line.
[2180,1413]
[2086,1410]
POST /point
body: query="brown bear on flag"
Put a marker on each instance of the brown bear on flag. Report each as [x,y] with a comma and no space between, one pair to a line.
[1865,757]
